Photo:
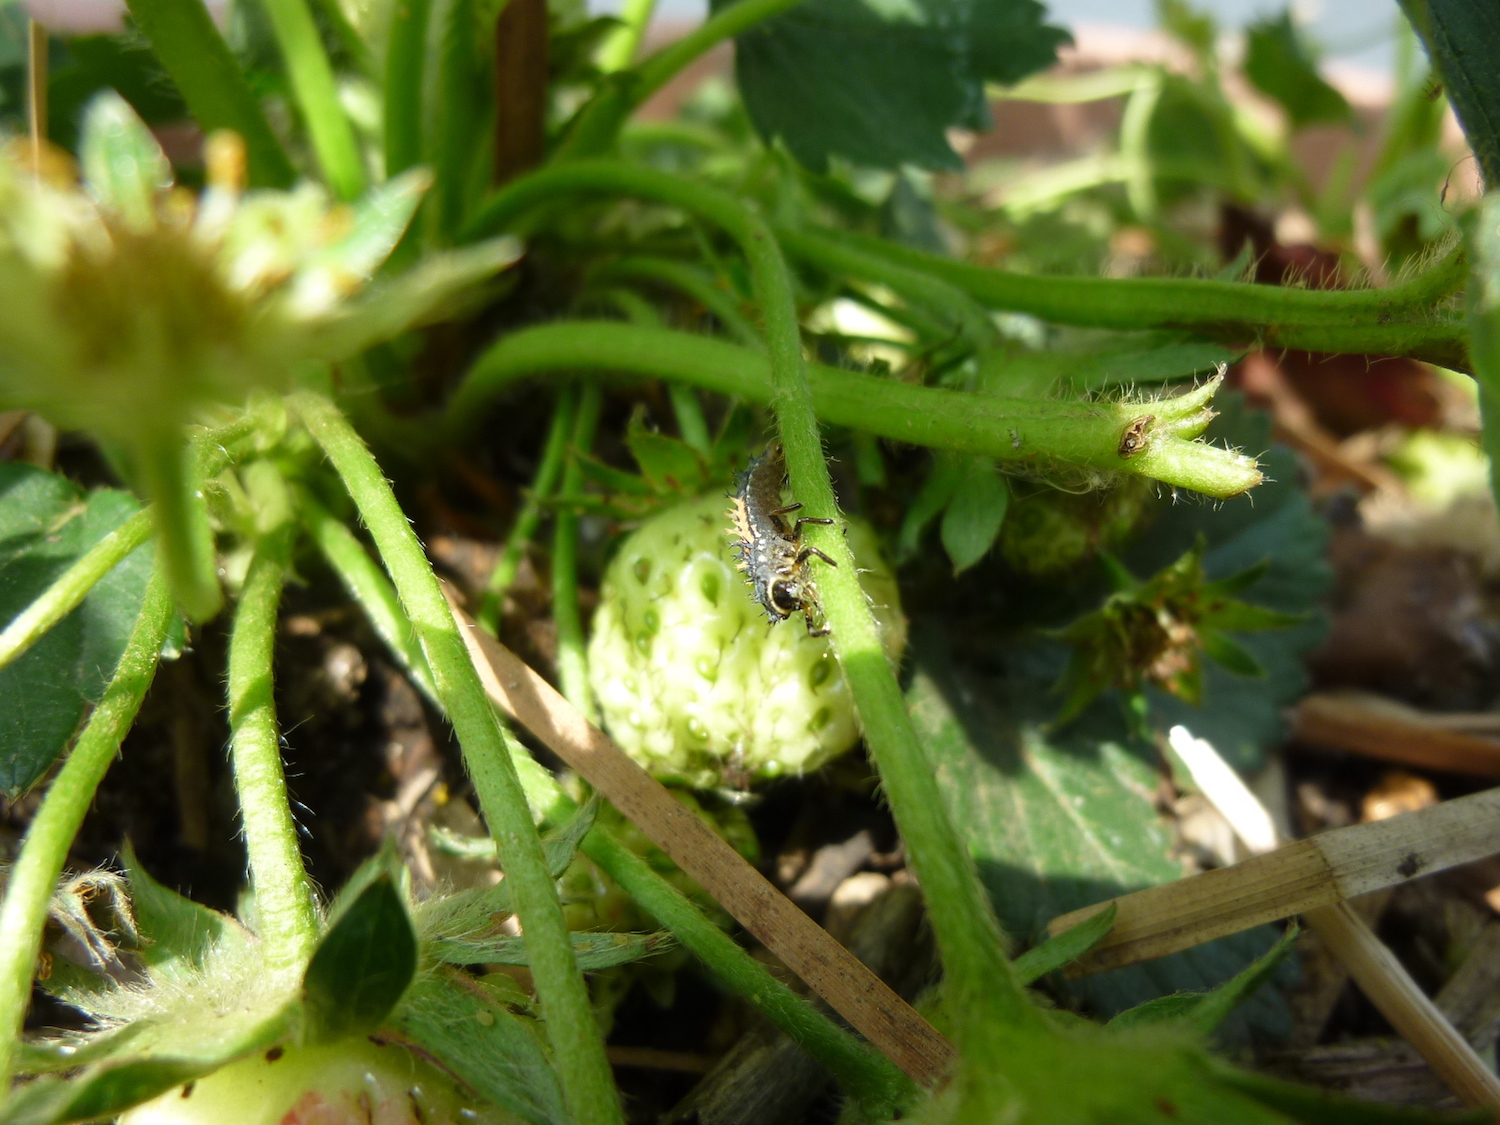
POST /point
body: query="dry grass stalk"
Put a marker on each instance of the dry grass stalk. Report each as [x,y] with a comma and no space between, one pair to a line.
[1415,1017]
[1360,854]
[1360,723]
[893,1026]
[1302,876]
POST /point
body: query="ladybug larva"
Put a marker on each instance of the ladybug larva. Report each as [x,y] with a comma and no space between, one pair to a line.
[691,679]
[769,552]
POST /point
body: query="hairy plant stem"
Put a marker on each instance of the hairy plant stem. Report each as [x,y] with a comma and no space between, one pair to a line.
[523,531]
[588,1088]
[184,38]
[44,850]
[1041,434]
[72,586]
[368,587]
[172,477]
[980,979]
[595,127]
[1404,319]
[692,282]
[316,93]
[572,658]
[954,309]
[864,1074]
[284,901]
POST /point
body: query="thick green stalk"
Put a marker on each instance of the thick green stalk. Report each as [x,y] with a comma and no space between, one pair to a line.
[954,308]
[1035,433]
[72,586]
[184,38]
[284,901]
[695,284]
[597,124]
[548,470]
[981,983]
[619,48]
[405,62]
[317,96]
[864,1074]
[45,847]
[1402,320]
[588,1088]
[980,977]
[171,476]
[572,659]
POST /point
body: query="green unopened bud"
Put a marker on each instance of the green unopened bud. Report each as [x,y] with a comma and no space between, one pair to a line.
[692,679]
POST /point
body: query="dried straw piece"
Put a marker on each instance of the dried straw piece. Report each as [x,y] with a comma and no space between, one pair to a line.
[874,1010]
[1415,1017]
[1299,877]
[1375,727]
[1364,854]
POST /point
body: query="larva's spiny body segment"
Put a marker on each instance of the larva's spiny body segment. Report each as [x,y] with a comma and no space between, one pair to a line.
[770,552]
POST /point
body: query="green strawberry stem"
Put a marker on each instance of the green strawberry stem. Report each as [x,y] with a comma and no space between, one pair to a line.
[530,517]
[72,586]
[959,313]
[572,661]
[981,982]
[490,757]
[1027,432]
[284,900]
[45,847]
[1404,319]
[171,478]
[368,586]
[864,1074]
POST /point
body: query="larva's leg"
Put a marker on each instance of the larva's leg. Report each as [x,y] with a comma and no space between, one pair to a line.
[787,510]
[809,552]
[797,527]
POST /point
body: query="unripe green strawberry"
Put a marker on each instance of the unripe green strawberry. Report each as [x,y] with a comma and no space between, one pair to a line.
[1049,532]
[692,679]
[352,1082]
